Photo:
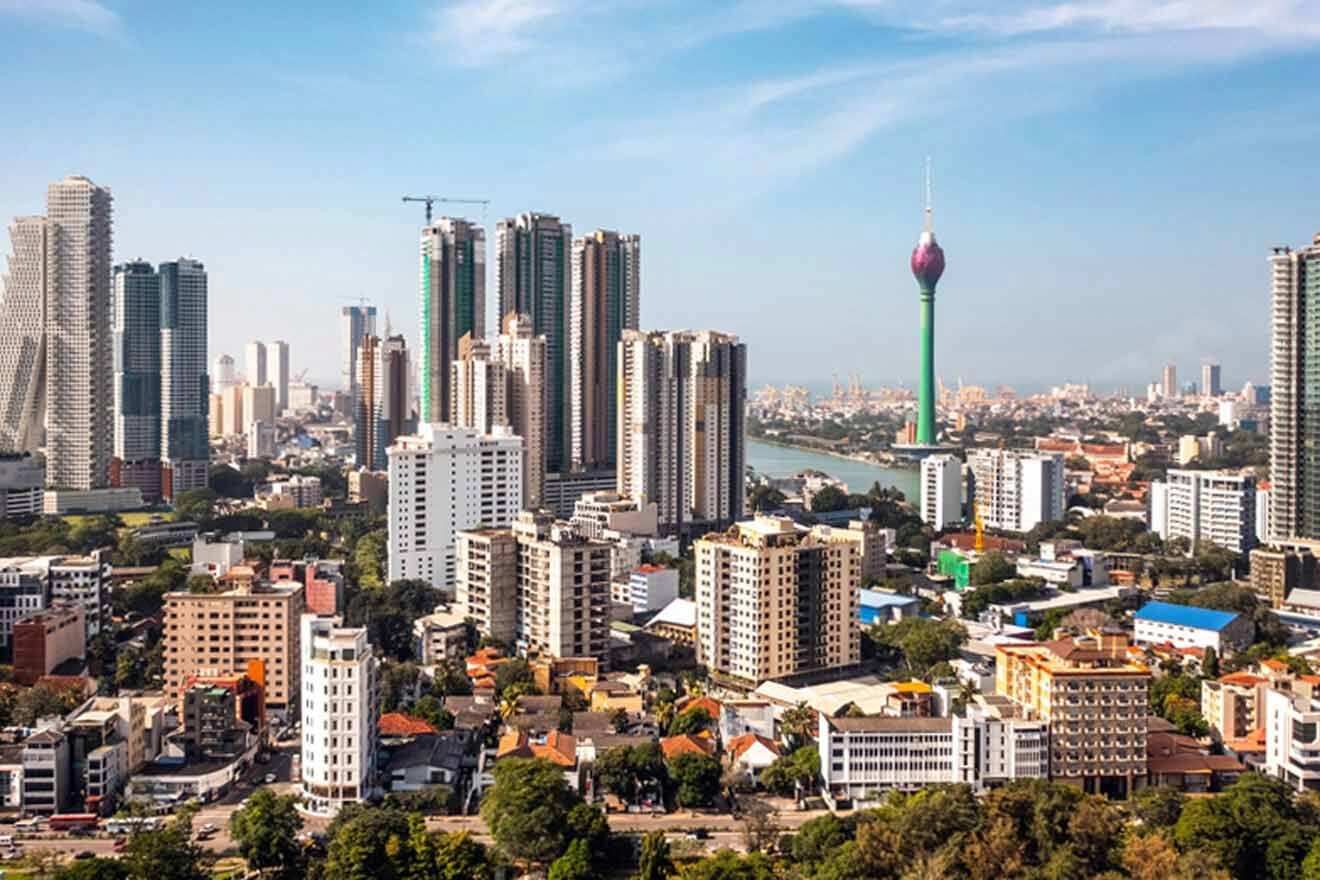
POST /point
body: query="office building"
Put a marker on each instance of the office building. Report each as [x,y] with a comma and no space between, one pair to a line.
[1169,382]
[79,580]
[452,305]
[681,440]
[605,303]
[776,600]
[340,704]
[23,338]
[184,409]
[371,488]
[255,359]
[539,584]
[138,378]
[1014,490]
[355,323]
[534,277]
[231,410]
[22,477]
[646,588]
[223,373]
[1210,380]
[79,346]
[442,480]
[1294,409]
[1217,507]
[217,634]
[215,414]
[941,491]
[277,371]
[1094,701]
[441,637]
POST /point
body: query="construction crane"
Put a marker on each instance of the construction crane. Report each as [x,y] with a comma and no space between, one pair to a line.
[431,200]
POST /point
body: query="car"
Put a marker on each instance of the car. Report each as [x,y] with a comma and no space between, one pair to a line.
[270,778]
[209,828]
[85,854]
[698,834]
[120,843]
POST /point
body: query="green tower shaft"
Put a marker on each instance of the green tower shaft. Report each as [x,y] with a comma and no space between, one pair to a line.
[926,394]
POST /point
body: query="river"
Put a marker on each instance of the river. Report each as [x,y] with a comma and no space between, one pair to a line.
[785,461]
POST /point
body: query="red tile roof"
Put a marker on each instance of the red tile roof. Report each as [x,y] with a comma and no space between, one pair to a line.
[1245,679]
[740,744]
[399,724]
[712,707]
[686,744]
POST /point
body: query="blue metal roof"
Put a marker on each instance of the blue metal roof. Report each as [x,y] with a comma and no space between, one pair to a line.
[1186,615]
[881,599]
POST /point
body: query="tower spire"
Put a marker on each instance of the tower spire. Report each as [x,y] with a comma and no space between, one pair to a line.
[930,208]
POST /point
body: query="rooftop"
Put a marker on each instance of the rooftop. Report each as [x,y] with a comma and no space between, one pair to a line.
[885,724]
[1186,615]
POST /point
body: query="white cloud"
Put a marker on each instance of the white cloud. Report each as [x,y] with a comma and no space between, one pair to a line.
[87,15]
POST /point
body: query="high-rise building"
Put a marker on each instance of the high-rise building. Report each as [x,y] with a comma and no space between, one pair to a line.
[941,491]
[1094,700]
[79,370]
[340,705]
[356,322]
[442,480]
[1015,490]
[479,388]
[184,409]
[1295,398]
[214,634]
[278,370]
[256,363]
[366,434]
[453,305]
[927,264]
[1201,506]
[681,438]
[534,277]
[394,398]
[231,408]
[1169,381]
[774,599]
[539,584]
[258,405]
[223,373]
[23,338]
[138,378]
[605,303]
[1210,380]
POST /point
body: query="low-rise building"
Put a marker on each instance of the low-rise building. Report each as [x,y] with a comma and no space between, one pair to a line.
[1277,571]
[22,482]
[44,640]
[882,606]
[648,588]
[749,754]
[297,491]
[677,622]
[1292,736]
[440,636]
[594,513]
[1184,626]
[46,772]
[1233,705]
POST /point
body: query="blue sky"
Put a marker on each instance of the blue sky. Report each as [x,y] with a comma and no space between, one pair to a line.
[1109,174]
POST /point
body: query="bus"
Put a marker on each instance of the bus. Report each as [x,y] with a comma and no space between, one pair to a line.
[131,824]
[73,822]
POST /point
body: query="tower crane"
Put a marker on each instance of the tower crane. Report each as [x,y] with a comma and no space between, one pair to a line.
[431,200]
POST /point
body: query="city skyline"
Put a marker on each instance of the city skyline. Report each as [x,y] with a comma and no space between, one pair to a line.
[946,83]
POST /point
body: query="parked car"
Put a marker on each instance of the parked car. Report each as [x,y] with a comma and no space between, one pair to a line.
[270,778]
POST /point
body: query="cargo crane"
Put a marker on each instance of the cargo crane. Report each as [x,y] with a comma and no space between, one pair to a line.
[431,200]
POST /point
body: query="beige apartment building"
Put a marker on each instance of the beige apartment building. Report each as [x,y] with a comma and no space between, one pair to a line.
[1233,705]
[215,634]
[774,600]
[1094,700]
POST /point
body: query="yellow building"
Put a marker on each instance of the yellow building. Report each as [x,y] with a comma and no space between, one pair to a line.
[1094,700]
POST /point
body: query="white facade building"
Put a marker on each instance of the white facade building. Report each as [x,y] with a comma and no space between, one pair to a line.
[255,363]
[339,711]
[442,480]
[1214,506]
[1184,626]
[261,439]
[277,371]
[941,491]
[648,588]
[1292,737]
[302,491]
[1016,491]
[23,337]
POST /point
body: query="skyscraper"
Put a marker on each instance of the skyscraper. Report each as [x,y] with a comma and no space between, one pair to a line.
[453,304]
[394,397]
[138,378]
[523,354]
[927,266]
[366,435]
[255,363]
[681,431]
[1169,382]
[533,275]
[1295,401]
[277,370]
[606,284]
[23,338]
[1210,380]
[184,383]
[222,375]
[479,388]
[79,348]
[355,323]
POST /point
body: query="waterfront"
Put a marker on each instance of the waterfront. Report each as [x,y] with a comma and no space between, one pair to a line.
[785,461]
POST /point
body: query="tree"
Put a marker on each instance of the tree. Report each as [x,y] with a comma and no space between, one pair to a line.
[459,856]
[787,774]
[1158,807]
[266,831]
[1253,829]
[574,864]
[614,771]
[513,677]
[42,701]
[828,499]
[728,865]
[760,831]
[817,838]
[991,569]
[920,642]
[762,498]
[527,809]
[369,843]
[654,862]
[798,724]
[1210,665]
[693,720]
[697,779]
[370,555]
[195,505]
[200,583]
[94,869]
[397,681]
[167,853]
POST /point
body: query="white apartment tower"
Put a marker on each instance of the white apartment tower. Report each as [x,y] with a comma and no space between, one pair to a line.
[1014,490]
[523,354]
[1214,506]
[443,480]
[681,439]
[941,491]
[540,584]
[23,337]
[223,374]
[340,704]
[79,348]
[478,388]
[255,353]
[1294,401]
